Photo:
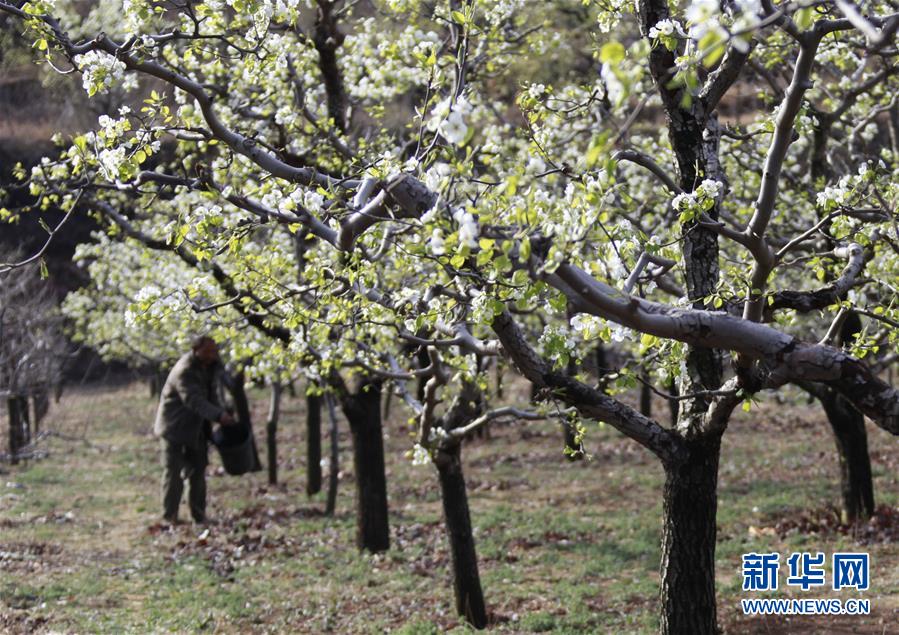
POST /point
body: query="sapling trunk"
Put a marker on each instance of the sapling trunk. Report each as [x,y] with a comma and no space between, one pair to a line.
[856,483]
[466,580]
[645,398]
[313,444]
[15,429]
[334,463]
[363,411]
[271,433]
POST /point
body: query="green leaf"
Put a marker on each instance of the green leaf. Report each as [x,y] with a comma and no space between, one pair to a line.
[598,147]
[803,18]
[484,256]
[524,249]
[612,52]
[486,243]
[511,185]
[712,46]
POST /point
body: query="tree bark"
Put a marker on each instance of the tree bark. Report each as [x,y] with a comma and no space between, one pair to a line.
[313,444]
[856,484]
[363,411]
[157,379]
[327,38]
[40,406]
[334,464]
[848,425]
[15,429]
[688,541]
[466,580]
[388,399]
[690,496]
[271,434]
[602,363]
[236,386]
[673,404]
[645,398]
[423,361]
[25,417]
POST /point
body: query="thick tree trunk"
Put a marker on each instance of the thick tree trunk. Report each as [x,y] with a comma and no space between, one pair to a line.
[848,425]
[327,39]
[363,411]
[688,542]
[40,407]
[271,434]
[645,398]
[313,444]
[856,484]
[25,417]
[602,363]
[388,399]
[236,386]
[15,429]
[157,379]
[423,362]
[334,463]
[673,404]
[466,580]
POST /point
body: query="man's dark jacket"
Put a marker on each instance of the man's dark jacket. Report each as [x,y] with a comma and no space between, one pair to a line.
[188,399]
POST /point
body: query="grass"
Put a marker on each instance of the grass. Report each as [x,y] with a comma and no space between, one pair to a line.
[564,547]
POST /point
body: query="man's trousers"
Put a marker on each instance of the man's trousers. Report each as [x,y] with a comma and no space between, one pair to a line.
[180,463]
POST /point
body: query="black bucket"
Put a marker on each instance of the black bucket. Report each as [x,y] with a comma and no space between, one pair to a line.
[237,448]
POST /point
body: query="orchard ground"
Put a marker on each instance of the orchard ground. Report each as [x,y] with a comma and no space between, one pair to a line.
[563,547]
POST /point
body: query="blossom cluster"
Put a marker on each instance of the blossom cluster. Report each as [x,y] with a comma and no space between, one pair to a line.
[100,71]
[835,196]
[702,199]
[448,118]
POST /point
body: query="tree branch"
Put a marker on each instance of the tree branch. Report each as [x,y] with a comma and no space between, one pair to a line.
[588,401]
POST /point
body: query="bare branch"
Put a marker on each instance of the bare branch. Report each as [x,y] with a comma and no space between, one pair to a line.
[493,415]
[588,401]
[642,160]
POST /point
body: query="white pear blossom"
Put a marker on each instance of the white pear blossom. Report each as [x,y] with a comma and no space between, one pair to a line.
[453,128]
[313,200]
[100,71]
[667,27]
[468,228]
[111,160]
[586,326]
[436,244]
[420,455]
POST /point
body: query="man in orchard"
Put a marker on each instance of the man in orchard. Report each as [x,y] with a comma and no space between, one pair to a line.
[187,402]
